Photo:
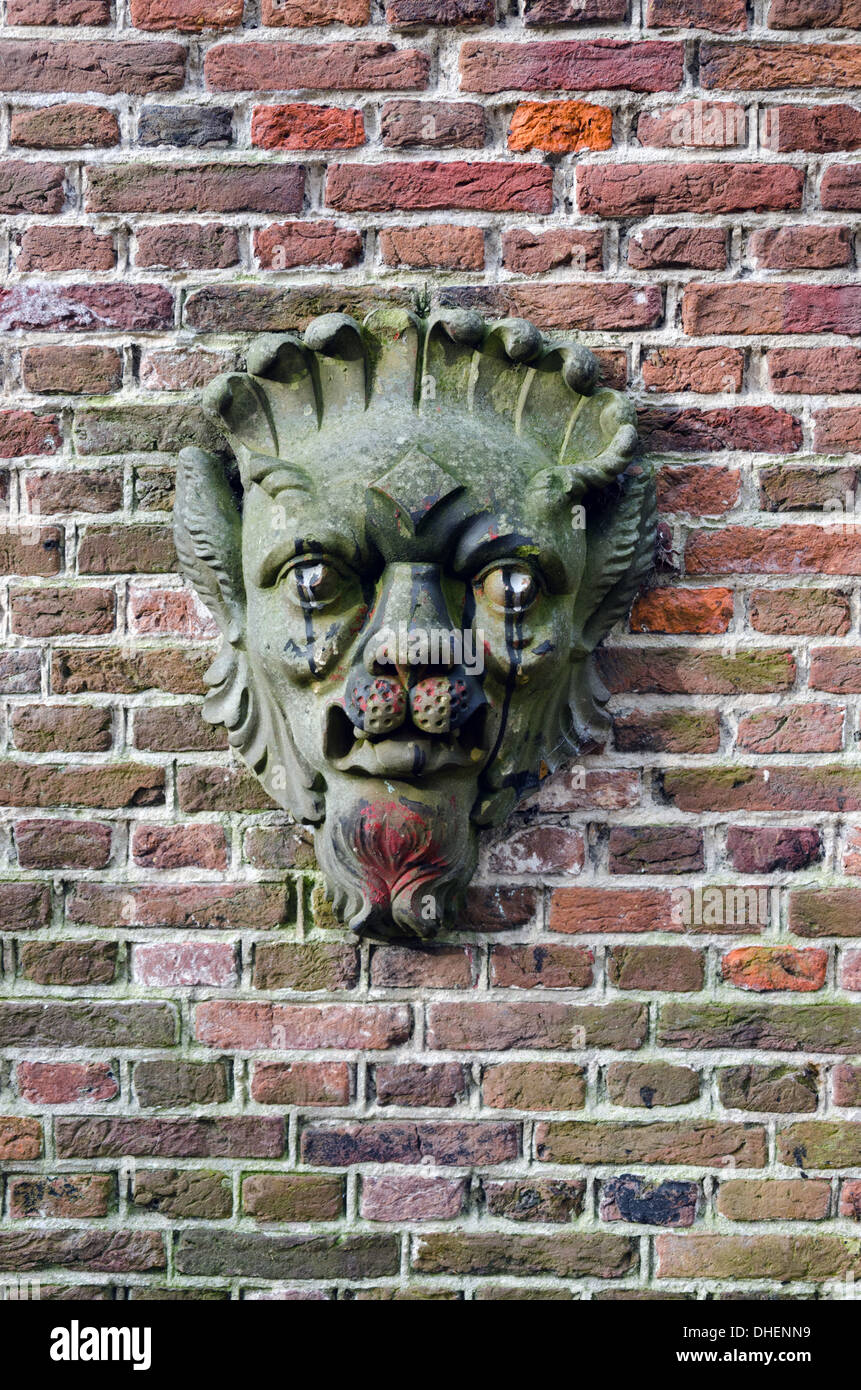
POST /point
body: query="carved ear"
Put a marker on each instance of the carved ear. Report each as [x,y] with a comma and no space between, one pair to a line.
[207,530]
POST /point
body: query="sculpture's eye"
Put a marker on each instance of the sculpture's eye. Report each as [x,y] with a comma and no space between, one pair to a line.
[312,583]
[509,588]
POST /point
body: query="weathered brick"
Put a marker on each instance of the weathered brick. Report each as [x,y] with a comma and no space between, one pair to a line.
[67,126]
[203,906]
[427,185]
[182,1193]
[755,1257]
[188,16]
[700,1142]
[67,1023]
[254,1136]
[643,190]
[65,248]
[208,246]
[682,610]
[572,65]
[764,850]
[66,1083]
[63,844]
[73,1195]
[500,1026]
[195,188]
[780,1089]
[68,962]
[248,1026]
[789,1028]
[534,1086]
[301,1083]
[770,66]
[72,1247]
[164,1083]
[438,124]
[249,1255]
[409,1199]
[72,370]
[339,1145]
[651,1083]
[787,1199]
[765,968]
[283,66]
[443,246]
[629,1198]
[565,1256]
[292,1197]
[37,65]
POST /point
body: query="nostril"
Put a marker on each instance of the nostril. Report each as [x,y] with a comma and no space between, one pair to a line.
[376,705]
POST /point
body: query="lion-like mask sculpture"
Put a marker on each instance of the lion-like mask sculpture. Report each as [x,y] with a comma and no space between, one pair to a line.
[429,526]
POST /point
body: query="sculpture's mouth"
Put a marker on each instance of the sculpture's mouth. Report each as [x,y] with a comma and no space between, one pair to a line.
[406,754]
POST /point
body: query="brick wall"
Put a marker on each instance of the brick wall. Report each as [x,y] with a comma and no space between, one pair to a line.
[204,1087]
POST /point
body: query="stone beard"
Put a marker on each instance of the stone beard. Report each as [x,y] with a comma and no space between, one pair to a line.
[427,528]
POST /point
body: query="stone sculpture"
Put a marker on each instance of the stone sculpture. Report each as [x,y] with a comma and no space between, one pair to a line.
[426,527]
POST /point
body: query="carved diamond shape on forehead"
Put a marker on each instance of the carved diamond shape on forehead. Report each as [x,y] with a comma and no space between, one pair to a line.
[416,485]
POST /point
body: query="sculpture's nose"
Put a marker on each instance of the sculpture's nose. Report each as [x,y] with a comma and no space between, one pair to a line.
[412,660]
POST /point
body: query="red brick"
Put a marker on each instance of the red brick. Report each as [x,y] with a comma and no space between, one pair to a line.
[248,1026]
[655,968]
[813,14]
[770,66]
[72,1195]
[719,16]
[185,246]
[243,67]
[169,612]
[788,489]
[408,13]
[93,308]
[852,857]
[682,610]
[195,187]
[667,731]
[411,1084]
[339,1145]
[717,125]
[765,850]
[301,13]
[546,967]
[301,1083]
[793,729]
[800,248]
[67,12]
[664,248]
[302,126]
[749,308]
[529,253]
[37,65]
[643,190]
[65,248]
[655,849]
[63,844]
[202,906]
[25,432]
[179,846]
[72,370]
[188,16]
[596,308]
[539,849]
[50,612]
[820,370]
[20,1138]
[501,1026]
[290,244]
[820,788]
[69,126]
[412,1199]
[428,184]
[696,671]
[534,1086]
[698,490]
[429,967]
[850,978]
[189,963]
[836,431]
[782,550]
[438,124]
[821,129]
[765,968]
[572,65]
[66,1083]
[181,370]
[560,127]
[36,187]
[439,246]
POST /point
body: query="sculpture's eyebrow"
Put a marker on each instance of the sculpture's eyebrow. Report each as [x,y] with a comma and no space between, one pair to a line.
[315,539]
[482,542]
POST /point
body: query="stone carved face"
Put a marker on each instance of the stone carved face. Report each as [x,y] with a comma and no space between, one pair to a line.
[431,528]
